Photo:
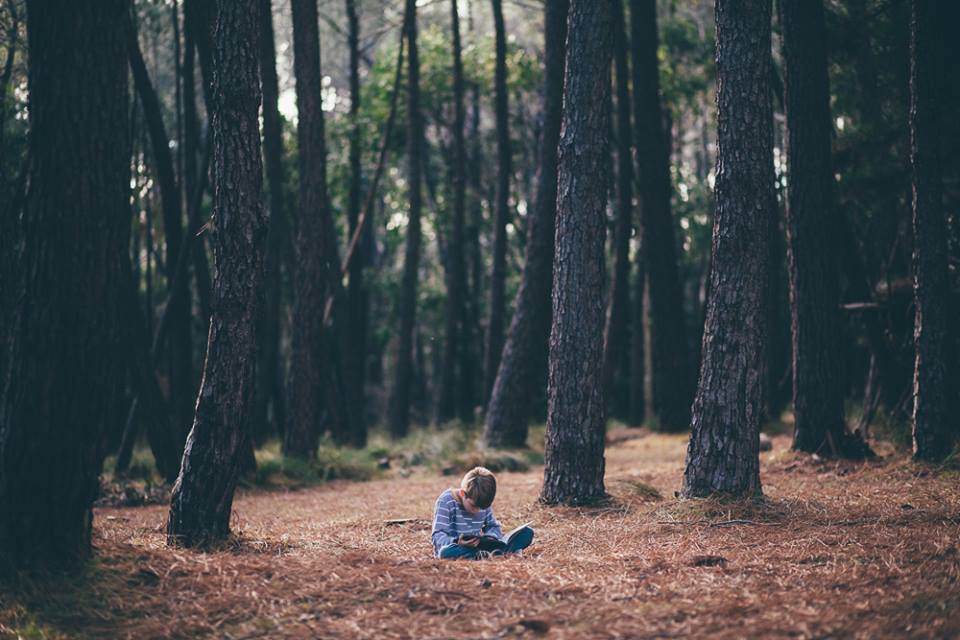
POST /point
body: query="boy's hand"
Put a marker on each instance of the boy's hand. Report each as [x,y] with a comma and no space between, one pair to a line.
[468,541]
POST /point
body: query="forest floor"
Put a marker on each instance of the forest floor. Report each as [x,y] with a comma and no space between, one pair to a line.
[834,550]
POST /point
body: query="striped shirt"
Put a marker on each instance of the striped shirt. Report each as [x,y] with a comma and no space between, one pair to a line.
[450,520]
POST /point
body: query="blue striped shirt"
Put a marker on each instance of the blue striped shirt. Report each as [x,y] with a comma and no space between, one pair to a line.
[450,520]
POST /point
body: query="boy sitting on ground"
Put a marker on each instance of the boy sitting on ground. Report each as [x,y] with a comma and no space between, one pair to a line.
[462,515]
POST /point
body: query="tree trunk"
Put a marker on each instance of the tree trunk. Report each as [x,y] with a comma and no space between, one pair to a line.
[314,367]
[638,334]
[357,298]
[203,495]
[268,357]
[502,216]
[64,373]
[455,318]
[931,293]
[525,353]
[398,418]
[723,454]
[576,411]
[182,390]
[615,327]
[812,251]
[670,357]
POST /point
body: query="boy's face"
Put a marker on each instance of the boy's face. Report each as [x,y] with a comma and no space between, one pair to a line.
[468,504]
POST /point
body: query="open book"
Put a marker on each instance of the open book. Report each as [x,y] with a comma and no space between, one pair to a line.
[493,543]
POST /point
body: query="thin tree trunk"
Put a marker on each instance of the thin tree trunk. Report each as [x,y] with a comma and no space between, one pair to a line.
[672,382]
[576,408]
[357,298]
[812,252]
[931,292]
[203,495]
[268,358]
[182,390]
[502,216]
[398,410]
[723,454]
[638,351]
[64,371]
[525,352]
[615,327]
[455,317]
[313,359]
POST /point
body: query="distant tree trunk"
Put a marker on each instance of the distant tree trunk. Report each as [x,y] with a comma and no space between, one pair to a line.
[525,352]
[455,318]
[670,357]
[64,372]
[812,250]
[502,215]
[638,352]
[310,364]
[576,411]
[398,418]
[472,378]
[615,327]
[723,454]
[355,356]
[931,293]
[203,495]
[182,390]
[268,357]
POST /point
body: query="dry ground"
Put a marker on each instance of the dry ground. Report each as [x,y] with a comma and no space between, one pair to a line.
[836,550]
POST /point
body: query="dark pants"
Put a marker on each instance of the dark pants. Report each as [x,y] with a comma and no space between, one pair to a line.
[521,541]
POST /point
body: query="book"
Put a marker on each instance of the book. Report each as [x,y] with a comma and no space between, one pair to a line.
[493,543]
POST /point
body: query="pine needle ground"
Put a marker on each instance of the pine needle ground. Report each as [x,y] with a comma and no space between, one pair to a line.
[835,549]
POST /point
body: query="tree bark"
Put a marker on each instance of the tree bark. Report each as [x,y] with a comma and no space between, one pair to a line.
[455,317]
[202,498]
[931,293]
[615,327]
[268,357]
[525,352]
[64,372]
[398,418]
[355,357]
[670,357]
[723,454]
[502,216]
[576,411]
[812,250]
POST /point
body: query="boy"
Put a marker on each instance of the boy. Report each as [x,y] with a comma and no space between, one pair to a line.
[466,512]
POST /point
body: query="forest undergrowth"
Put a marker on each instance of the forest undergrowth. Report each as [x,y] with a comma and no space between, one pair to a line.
[867,549]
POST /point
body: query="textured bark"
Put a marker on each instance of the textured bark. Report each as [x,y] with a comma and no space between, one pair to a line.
[576,412]
[315,380]
[723,454]
[64,368]
[203,495]
[502,208]
[182,389]
[670,357]
[931,294]
[812,248]
[268,358]
[355,357]
[398,409]
[615,327]
[455,317]
[525,352]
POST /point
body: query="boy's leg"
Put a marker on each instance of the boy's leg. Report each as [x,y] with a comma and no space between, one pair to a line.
[454,551]
[521,541]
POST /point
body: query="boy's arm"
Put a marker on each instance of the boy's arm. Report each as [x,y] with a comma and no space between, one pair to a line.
[442,533]
[491,527]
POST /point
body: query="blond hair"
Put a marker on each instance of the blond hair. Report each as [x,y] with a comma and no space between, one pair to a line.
[480,485]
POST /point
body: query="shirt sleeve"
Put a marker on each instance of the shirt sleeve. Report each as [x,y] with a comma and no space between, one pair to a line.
[490,525]
[443,532]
